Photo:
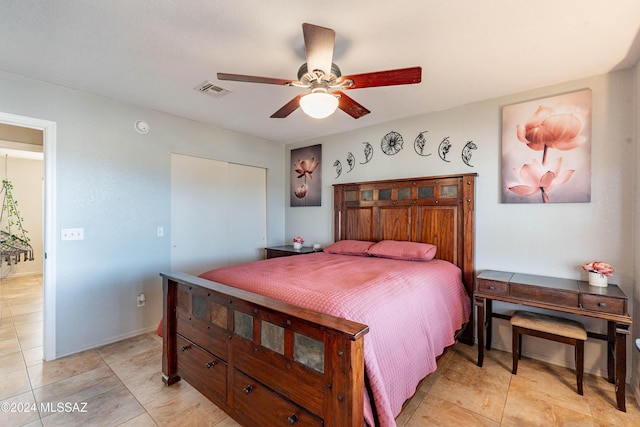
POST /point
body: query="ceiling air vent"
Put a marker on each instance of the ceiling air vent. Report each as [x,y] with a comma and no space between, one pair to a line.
[211,89]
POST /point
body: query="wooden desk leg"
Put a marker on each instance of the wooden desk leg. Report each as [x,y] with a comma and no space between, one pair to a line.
[621,364]
[480,329]
[489,320]
[611,346]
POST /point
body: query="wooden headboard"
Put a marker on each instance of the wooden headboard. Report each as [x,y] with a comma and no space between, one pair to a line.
[438,210]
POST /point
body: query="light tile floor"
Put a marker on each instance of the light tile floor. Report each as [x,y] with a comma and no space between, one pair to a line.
[120,384]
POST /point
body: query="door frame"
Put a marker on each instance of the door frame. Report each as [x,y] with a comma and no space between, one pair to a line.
[49,236]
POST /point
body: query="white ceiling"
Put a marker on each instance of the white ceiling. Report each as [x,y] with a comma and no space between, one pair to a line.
[153,53]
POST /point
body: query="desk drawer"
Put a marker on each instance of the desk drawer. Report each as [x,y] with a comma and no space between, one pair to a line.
[545,295]
[604,304]
[493,287]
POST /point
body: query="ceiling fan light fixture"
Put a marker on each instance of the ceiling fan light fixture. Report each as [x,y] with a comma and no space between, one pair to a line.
[319,104]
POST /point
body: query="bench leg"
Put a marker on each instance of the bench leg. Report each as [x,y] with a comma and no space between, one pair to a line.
[515,348]
[579,364]
[520,340]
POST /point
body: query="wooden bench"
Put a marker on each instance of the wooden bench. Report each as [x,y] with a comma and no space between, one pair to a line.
[551,328]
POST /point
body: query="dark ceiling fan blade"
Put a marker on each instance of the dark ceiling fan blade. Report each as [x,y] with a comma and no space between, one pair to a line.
[288,108]
[402,76]
[349,106]
[318,44]
[252,79]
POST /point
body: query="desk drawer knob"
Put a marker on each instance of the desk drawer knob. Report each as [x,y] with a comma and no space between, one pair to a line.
[293,419]
[602,304]
[248,389]
[185,348]
[211,364]
[492,288]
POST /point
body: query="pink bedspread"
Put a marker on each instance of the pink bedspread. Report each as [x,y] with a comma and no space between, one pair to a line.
[412,309]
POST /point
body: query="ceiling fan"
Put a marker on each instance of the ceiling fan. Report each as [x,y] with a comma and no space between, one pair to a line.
[325,81]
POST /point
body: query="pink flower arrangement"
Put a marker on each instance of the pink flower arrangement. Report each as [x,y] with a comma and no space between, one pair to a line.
[599,267]
[298,239]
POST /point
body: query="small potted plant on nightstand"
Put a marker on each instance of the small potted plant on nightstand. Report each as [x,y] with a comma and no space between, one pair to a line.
[297,242]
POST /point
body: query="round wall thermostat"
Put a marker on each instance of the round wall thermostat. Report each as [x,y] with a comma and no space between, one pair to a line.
[142,126]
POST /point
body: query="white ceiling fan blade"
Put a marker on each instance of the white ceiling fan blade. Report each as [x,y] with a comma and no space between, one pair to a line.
[318,44]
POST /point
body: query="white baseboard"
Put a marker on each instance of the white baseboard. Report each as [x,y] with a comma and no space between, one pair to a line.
[110,340]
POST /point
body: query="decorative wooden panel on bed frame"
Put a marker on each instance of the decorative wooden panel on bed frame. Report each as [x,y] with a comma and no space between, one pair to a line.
[214,335]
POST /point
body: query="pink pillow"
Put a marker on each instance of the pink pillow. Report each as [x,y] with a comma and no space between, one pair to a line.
[349,247]
[409,251]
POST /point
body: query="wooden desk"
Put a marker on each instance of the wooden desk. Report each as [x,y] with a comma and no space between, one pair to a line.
[561,295]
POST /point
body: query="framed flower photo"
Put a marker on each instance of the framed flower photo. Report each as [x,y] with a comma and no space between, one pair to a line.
[546,150]
[306,176]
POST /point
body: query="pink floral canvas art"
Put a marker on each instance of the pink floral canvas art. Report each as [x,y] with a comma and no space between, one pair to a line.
[546,150]
[306,182]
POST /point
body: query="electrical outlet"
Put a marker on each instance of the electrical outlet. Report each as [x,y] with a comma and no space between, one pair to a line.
[160,231]
[141,300]
[72,234]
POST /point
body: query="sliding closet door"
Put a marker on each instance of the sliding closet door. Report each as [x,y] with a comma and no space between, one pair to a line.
[247,210]
[218,213]
[199,219]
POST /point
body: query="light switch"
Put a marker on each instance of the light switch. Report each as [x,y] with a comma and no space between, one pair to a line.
[72,234]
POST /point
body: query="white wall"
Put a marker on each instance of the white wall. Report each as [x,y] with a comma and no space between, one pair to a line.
[115,183]
[546,239]
[26,175]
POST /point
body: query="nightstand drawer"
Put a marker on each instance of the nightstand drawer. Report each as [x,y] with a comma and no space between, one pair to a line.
[275,253]
[280,251]
[493,287]
[604,304]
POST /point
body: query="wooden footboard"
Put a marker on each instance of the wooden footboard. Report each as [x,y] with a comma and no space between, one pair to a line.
[262,361]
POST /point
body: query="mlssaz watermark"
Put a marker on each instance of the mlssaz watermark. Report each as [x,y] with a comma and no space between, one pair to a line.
[43,407]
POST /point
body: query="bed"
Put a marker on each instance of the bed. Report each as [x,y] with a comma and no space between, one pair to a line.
[323,349]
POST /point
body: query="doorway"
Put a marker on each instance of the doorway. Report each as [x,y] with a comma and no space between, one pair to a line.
[48,256]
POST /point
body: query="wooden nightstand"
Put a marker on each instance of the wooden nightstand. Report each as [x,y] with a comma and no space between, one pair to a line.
[287,250]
